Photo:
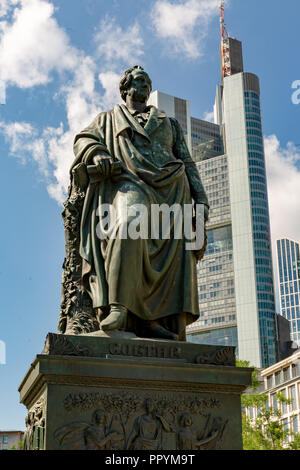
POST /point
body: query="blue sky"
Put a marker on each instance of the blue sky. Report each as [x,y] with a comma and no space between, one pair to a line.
[60,63]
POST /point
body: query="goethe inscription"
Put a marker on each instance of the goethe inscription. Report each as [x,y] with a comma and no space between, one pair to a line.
[140,350]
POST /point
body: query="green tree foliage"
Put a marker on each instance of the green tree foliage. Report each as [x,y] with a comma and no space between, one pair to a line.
[266,431]
[20,446]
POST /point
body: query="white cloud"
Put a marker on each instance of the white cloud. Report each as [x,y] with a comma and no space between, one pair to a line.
[32,45]
[52,148]
[283,171]
[6,5]
[23,141]
[110,83]
[115,44]
[184,25]
[82,104]
[37,47]
[283,174]
[209,116]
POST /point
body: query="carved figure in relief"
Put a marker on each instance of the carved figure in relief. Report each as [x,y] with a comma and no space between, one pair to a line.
[28,436]
[35,428]
[189,438]
[147,430]
[132,422]
[97,436]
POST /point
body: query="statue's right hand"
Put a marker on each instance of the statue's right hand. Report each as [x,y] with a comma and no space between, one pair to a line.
[106,166]
[103,165]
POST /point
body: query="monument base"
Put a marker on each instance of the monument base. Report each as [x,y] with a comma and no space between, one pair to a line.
[112,393]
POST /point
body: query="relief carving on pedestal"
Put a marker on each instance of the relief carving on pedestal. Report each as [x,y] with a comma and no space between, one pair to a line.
[224,356]
[35,427]
[59,345]
[132,422]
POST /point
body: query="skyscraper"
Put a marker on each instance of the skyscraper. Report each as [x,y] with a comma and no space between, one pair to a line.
[288,256]
[235,278]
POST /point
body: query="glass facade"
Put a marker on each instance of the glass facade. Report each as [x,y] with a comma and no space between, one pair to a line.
[218,337]
[261,228]
[181,113]
[235,277]
[288,256]
[219,240]
[206,139]
[216,271]
[223,292]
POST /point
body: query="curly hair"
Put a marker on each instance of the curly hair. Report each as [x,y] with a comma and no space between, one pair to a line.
[127,78]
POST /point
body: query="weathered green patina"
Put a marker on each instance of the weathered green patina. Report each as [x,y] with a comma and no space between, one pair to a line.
[129,156]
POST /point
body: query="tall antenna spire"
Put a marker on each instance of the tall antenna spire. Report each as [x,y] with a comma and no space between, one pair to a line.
[225,48]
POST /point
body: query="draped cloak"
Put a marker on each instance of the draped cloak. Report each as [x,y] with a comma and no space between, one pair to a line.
[153,278]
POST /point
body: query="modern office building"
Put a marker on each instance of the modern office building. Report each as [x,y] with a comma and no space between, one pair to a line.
[284,378]
[280,380]
[236,294]
[288,257]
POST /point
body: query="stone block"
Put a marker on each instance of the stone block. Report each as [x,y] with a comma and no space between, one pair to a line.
[117,393]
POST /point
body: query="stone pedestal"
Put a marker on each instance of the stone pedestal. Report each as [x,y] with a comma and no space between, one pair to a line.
[114,393]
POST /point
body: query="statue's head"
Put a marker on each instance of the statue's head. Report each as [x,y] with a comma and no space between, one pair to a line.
[149,406]
[185,420]
[99,418]
[136,83]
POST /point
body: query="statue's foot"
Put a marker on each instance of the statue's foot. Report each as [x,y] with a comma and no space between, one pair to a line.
[155,330]
[116,320]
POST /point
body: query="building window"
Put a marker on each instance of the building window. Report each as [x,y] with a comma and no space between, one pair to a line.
[277,378]
[284,405]
[295,423]
[270,381]
[5,440]
[285,424]
[294,371]
[274,401]
[292,396]
[286,374]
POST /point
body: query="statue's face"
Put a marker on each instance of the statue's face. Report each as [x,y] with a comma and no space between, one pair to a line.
[100,418]
[149,406]
[186,421]
[139,88]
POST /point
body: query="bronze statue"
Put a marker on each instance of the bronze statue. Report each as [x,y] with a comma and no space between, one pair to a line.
[133,155]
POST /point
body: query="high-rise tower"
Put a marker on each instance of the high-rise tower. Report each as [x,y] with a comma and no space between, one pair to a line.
[288,256]
[235,278]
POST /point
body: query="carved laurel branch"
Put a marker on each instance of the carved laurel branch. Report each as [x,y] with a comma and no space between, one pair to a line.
[61,346]
[224,356]
[77,315]
[39,406]
[127,402]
